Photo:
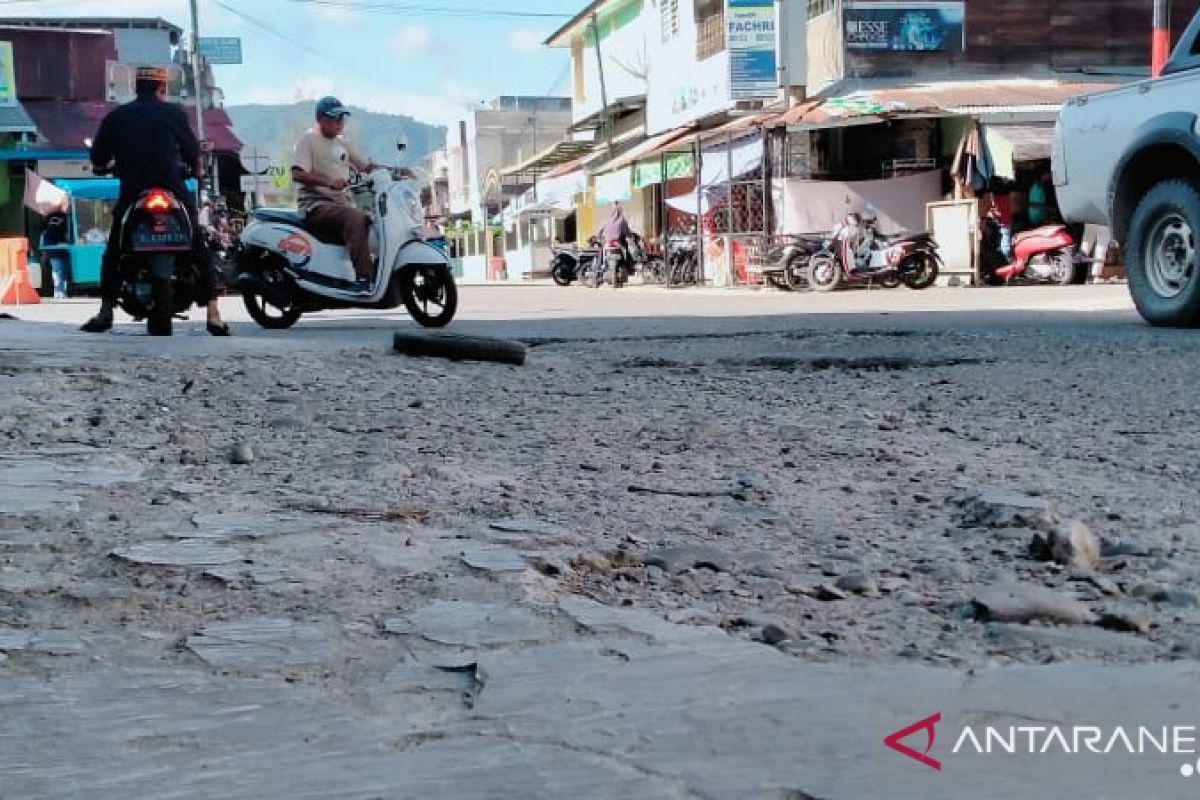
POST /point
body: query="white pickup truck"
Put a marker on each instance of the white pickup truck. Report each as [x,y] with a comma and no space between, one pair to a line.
[1129,158]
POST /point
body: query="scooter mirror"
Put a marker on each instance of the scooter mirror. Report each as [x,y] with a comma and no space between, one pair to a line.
[402,143]
[88,143]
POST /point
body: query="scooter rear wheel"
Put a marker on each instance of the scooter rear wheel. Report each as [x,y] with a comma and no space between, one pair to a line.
[267,315]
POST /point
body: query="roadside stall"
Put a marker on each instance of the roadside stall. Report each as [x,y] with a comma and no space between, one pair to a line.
[89,219]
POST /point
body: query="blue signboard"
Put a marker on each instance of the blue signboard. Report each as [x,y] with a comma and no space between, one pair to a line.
[221,49]
[900,27]
[750,37]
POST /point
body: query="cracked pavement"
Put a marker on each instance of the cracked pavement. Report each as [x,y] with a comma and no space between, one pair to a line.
[703,545]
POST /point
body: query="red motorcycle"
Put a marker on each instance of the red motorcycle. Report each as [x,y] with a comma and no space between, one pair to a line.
[1042,255]
[857,251]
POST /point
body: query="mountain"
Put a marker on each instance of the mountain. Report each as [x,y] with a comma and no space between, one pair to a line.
[275,128]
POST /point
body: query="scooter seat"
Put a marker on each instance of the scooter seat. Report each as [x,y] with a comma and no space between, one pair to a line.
[290,216]
[1045,230]
[286,216]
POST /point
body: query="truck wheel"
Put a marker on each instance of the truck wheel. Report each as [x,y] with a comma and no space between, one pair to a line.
[1162,254]
[457,347]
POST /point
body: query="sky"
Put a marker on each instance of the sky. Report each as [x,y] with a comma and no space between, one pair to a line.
[430,59]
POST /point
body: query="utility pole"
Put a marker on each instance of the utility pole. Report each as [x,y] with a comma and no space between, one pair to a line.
[199,92]
[1161,43]
[603,90]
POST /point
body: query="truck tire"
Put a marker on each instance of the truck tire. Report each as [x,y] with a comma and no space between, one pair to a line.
[1163,255]
[457,347]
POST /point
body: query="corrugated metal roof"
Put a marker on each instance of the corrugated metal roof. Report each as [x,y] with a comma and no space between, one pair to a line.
[65,125]
[648,149]
[961,97]
[1029,142]
[553,156]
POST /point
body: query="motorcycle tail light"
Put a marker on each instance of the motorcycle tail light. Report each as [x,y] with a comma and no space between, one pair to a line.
[158,202]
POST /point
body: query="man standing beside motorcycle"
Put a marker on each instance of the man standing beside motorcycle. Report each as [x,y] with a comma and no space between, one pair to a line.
[151,142]
[321,165]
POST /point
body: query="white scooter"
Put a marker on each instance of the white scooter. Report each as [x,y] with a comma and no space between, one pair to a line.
[286,270]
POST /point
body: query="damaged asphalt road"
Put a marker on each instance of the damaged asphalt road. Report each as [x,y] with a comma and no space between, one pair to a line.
[626,569]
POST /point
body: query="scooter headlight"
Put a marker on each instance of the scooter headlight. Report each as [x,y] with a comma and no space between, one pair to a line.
[410,202]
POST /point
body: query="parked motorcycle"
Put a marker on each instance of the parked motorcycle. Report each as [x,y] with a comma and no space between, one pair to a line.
[287,270]
[682,259]
[786,263]
[1042,255]
[857,251]
[570,265]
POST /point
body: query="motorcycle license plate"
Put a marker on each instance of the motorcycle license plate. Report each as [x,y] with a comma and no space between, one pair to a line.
[162,233]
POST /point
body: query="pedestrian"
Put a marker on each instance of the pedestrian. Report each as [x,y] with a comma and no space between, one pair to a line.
[54,237]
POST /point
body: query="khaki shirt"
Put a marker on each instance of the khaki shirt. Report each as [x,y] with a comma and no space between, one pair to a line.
[329,158]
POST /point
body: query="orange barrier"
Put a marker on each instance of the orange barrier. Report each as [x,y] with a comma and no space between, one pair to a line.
[15,287]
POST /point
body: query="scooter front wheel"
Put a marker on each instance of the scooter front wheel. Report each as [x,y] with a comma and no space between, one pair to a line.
[824,272]
[561,275]
[429,294]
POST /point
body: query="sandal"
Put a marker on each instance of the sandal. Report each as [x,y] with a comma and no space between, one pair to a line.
[219,329]
[98,324]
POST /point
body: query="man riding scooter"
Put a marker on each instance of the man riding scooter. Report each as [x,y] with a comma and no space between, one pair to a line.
[151,142]
[321,165]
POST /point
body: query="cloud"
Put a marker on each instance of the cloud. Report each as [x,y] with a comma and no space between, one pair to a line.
[443,107]
[526,40]
[308,87]
[338,15]
[412,39]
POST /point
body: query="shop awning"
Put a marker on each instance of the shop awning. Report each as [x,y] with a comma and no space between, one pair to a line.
[599,162]
[867,101]
[736,127]
[36,154]
[66,125]
[1010,145]
[553,156]
[653,147]
[15,119]
[560,190]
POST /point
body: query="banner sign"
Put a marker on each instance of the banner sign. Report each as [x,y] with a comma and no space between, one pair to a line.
[906,27]
[8,80]
[750,38]
[221,49]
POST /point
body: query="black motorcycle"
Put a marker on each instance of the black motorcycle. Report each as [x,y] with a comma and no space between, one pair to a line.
[159,274]
[570,265]
[786,263]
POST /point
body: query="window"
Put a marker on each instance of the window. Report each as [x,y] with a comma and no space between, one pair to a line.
[710,28]
[669,13]
[818,7]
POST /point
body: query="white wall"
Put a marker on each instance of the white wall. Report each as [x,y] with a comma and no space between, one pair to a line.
[683,89]
[825,55]
[143,46]
[624,54]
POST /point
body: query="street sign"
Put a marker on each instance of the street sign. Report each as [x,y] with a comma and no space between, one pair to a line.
[221,49]
[256,183]
[254,160]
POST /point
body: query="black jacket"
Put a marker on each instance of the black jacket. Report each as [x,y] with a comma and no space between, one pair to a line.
[151,141]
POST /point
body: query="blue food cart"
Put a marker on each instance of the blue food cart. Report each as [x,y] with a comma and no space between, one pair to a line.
[91,205]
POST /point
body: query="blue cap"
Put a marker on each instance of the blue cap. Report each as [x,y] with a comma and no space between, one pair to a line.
[331,107]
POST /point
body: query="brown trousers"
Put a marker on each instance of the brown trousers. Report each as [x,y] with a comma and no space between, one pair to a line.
[352,225]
